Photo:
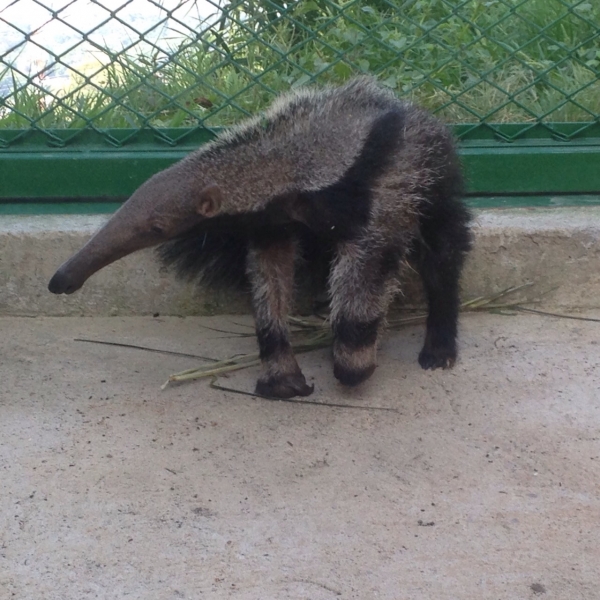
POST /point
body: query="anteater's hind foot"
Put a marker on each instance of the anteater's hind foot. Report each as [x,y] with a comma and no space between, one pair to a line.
[353,366]
[441,250]
[361,285]
[439,351]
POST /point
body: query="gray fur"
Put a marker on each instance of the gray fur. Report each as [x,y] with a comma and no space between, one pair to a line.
[372,177]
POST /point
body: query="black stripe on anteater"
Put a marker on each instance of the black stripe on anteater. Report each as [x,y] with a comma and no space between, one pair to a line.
[216,250]
[354,335]
[340,210]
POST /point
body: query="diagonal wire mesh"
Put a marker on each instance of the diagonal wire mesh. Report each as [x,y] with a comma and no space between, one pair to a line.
[175,66]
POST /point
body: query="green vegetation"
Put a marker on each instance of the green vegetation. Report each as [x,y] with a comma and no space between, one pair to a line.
[469,60]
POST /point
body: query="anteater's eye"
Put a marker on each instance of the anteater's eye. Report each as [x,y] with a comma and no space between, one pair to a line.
[157,229]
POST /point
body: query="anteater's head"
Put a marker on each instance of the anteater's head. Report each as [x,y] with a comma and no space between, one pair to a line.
[165,206]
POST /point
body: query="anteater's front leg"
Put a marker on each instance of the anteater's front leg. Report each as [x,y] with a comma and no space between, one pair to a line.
[271,272]
[362,282]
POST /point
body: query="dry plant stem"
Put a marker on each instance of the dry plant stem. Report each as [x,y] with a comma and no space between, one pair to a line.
[236,364]
[558,315]
[228,365]
[323,337]
[215,386]
[146,348]
[229,333]
[485,301]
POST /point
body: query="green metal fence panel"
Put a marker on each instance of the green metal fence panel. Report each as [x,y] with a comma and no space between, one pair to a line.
[81,79]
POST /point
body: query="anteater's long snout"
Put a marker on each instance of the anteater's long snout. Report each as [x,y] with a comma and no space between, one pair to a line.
[110,243]
[73,273]
[130,229]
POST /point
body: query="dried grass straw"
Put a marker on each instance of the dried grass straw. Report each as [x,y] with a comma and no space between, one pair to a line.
[315,333]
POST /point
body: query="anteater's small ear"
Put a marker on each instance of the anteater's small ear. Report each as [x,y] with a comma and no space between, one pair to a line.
[210,201]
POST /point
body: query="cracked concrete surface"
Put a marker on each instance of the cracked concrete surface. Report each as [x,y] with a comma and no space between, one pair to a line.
[485,484]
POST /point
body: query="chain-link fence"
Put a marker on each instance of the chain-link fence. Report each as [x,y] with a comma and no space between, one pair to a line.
[174,66]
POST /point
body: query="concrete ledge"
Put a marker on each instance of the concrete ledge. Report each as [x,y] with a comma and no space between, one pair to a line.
[558,249]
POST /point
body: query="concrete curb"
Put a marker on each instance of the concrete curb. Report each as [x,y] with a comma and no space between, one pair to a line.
[557,249]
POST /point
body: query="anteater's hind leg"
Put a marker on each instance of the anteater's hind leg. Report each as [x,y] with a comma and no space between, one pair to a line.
[362,282]
[445,240]
[271,272]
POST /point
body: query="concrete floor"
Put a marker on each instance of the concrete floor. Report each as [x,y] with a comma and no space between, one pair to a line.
[485,484]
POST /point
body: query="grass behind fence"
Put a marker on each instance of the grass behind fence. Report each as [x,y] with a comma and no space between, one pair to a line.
[470,60]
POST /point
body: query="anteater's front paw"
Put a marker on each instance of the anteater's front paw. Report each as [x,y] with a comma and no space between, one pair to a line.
[284,386]
[441,357]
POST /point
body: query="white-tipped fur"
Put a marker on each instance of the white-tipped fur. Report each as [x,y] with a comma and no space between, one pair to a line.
[349,176]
